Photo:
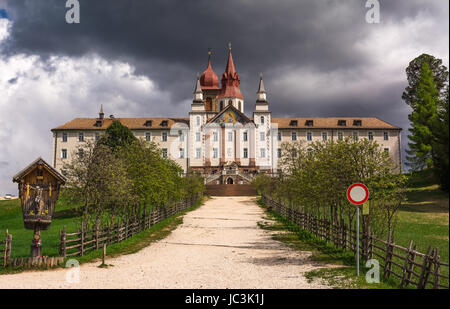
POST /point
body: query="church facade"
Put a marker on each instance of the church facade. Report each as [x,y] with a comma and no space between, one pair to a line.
[219,140]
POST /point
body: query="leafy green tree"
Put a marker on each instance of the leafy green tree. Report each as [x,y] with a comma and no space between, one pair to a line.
[423,117]
[96,176]
[117,135]
[316,177]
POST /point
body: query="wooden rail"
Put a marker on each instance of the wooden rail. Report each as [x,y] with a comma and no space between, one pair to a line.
[86,240]
[5,249]
[423,270]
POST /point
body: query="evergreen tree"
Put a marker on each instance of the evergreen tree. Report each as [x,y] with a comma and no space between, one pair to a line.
[413,73]
[440,145]
[423,118]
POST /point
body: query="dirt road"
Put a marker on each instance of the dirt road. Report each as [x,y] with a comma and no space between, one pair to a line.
[218,245]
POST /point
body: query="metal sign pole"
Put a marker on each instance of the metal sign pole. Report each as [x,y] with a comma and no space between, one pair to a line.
[357,240]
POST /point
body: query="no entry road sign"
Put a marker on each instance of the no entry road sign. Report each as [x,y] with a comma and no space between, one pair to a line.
[357,193]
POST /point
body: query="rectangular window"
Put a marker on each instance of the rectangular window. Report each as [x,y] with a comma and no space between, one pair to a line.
[386,150]
[308,136]
[97,136]
[279,136]
[148,136]
[64,137]
[164,136]
[340,136]
[245,153]
[215,153]
[245,136]
[164,152]
[386,136]
[355,136]
[64,154]
[324,136]
[181,153]
[198,152]
[230,136]
[294,136]
[215,136]
[197,137]
[263,152]
[279,152]
[262,136]
[81,136]
[370,136]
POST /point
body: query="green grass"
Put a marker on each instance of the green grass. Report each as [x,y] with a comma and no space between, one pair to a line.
[141,240]
[343,273]
[424,218]
[11,219]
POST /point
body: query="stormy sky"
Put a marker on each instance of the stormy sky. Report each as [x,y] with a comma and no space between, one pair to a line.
[140,58]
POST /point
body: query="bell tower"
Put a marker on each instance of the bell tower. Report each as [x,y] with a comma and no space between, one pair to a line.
[230,93]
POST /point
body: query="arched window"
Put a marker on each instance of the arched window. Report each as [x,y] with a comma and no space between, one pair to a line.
[262,119]
[221,105]
[230,102]
[240,106]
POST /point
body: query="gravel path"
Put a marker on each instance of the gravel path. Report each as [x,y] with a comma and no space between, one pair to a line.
[218,245]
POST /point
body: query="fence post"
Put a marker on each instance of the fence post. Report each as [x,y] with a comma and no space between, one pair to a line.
[5,254]
[388,257]
[406,264]
[96,235]
[64,242]
[437,269]
[411,265]
[82,238]
[425,271]
[126,227]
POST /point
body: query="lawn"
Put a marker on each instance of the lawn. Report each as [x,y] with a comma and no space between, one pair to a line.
[11,219]
[424,218]
[66,215]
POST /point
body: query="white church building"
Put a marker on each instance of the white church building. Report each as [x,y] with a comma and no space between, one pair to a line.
[218,139]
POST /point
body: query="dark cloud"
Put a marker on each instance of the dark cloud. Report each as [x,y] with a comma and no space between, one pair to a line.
[292,42]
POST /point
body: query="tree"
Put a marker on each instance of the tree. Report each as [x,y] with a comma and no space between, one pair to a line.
[413,73]
[317,175]
[423,117]
[100,179]
[117,135]
[441,142]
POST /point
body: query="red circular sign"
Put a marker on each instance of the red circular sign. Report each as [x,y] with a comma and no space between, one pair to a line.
[357,194]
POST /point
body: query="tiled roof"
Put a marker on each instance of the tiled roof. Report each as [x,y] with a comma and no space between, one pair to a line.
[332,123]
[131,123]
[283,123]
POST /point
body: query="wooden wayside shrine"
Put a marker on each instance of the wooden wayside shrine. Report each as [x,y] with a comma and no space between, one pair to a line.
[39,186]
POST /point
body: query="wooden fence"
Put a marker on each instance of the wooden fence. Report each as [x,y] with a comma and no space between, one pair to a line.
[423,270]
[5,249]
[86,240]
